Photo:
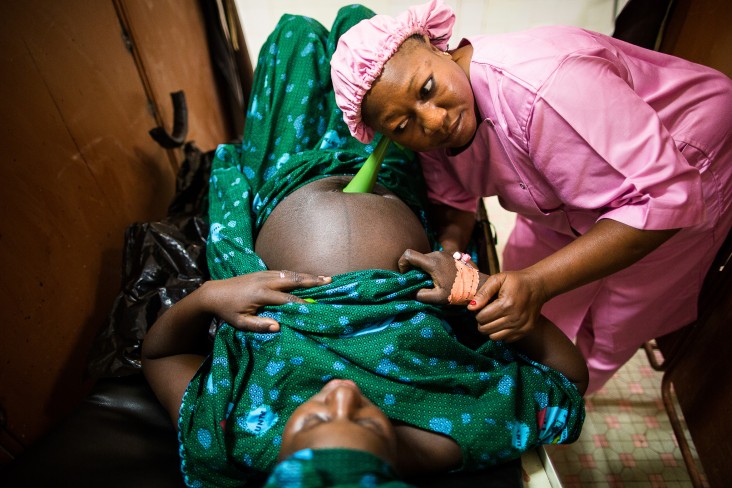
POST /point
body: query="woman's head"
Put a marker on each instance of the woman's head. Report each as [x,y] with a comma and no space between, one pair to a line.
[422,99]
[340,417]
[362,52]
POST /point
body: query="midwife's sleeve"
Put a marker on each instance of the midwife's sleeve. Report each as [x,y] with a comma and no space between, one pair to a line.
[602,147]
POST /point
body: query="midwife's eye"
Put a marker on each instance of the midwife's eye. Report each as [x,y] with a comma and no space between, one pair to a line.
[427,88]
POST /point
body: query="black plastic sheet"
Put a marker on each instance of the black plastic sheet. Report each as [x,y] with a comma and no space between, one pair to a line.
[162,262]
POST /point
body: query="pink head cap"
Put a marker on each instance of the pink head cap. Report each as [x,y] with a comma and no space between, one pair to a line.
[362,51]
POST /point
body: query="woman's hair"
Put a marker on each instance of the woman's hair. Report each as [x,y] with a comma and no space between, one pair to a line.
[417,37]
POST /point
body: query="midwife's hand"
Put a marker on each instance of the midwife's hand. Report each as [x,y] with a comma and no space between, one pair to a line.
[236,300]
[515,310]
[439,265]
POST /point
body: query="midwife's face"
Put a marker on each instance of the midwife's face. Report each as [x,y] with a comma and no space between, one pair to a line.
[422,99]
[340,416]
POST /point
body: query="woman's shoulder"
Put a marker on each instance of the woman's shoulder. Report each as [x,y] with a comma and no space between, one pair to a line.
[520,63]
[541,47]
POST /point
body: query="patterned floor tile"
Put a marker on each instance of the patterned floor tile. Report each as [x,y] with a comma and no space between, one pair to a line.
[627,440]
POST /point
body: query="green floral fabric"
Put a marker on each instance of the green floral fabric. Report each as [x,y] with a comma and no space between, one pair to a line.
[402,354]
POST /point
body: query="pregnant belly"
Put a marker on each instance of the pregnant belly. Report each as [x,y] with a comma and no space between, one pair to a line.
[318,229]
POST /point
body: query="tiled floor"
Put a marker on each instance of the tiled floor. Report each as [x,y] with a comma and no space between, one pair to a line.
[627,440]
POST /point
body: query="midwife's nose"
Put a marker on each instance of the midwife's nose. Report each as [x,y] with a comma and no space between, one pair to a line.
[433,119]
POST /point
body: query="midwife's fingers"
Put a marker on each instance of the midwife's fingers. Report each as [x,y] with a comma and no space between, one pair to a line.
[486,292]
[509,334]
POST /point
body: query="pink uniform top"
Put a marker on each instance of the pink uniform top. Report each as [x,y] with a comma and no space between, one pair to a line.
[578,126]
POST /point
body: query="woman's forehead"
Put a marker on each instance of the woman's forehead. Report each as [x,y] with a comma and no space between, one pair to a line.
[402,72]
[412,54]
[399,83]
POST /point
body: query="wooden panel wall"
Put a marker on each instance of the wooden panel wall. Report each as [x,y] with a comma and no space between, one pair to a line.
[700,31]
[77,166]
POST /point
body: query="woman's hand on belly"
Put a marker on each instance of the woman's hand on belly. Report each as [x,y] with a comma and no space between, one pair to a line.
[236,300]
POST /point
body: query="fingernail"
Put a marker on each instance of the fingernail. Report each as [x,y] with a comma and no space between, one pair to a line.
[473,302]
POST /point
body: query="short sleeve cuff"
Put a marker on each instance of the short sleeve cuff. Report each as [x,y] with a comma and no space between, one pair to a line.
[647,217]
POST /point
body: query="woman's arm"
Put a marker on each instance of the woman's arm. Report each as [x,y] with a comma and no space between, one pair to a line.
[548,345]
[422,452]
[175,346]
[509,303]
[453,227]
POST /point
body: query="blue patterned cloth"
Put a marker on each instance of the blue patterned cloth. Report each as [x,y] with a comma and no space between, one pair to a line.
[364,326]
[341,468]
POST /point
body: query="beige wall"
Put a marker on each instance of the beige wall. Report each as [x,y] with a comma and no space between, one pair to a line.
[472,16]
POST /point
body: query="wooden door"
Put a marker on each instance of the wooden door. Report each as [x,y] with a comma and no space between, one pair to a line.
[83,83]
